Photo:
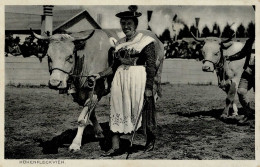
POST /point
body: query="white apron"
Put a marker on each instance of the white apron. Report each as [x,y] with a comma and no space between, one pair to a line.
[127,90]
[127,96]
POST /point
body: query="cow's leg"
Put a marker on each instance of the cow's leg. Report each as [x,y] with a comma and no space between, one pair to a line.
[76,143]
[234,105]
[235,109]
[91,116]
[82,117]
[231,92]
[97,128]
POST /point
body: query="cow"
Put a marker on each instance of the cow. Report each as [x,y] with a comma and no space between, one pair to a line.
[214,51]
[73,57]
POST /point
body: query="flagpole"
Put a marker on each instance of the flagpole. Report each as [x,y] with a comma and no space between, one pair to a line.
[197,19]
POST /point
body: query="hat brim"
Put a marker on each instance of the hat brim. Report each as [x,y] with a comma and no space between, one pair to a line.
[128,14]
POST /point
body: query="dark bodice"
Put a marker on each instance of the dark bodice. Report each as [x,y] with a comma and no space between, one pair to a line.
[146,57]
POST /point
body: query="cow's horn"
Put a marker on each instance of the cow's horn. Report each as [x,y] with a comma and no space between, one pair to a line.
[229,39]
[39,36]
[196,39]
[85,37]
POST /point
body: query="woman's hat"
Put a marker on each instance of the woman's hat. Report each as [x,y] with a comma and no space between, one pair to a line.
[129,14]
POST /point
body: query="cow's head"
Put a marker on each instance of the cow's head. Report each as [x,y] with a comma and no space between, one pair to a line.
[212,48]
[61,57]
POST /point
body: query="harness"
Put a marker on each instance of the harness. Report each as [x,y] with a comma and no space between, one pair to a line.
[219,68]
[72,74]
[220,63]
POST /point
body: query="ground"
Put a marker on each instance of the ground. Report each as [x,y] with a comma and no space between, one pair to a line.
[40,124]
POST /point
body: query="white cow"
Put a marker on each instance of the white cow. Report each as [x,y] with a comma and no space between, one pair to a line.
[228,73]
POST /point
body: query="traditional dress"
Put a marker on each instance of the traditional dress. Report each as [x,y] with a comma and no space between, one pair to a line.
[134,67]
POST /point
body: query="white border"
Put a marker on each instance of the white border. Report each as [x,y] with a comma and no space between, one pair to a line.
[137,163]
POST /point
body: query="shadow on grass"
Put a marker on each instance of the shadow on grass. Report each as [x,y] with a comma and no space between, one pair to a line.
[215,113]
[66,138]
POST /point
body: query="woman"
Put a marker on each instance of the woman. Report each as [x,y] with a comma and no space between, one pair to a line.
[134,68]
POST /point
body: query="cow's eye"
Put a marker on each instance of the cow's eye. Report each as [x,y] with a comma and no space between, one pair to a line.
[70,59]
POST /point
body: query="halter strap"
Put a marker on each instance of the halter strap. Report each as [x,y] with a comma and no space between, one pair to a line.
[219,63]
[70,73]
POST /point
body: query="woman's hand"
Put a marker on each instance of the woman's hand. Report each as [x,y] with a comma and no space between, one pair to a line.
[92,79]
[96,76]
[148,93]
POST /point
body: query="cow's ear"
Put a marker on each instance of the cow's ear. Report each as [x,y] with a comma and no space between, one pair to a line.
[112,41]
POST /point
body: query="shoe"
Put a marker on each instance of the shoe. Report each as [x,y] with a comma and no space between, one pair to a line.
[113,152]
[149,146]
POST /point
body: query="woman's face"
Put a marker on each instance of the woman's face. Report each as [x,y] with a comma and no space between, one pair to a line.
[128,26]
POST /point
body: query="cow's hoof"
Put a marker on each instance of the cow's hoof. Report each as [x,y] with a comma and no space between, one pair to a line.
[74,147]
[235,117]
[239,117]
[234,114]
[224,116]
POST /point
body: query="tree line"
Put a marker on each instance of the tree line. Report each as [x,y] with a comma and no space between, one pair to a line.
[241,32]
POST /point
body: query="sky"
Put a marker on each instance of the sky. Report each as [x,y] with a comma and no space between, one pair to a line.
[162,15]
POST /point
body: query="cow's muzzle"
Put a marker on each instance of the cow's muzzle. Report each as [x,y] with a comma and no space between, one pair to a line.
[54,83]
[58,80]
[206,69]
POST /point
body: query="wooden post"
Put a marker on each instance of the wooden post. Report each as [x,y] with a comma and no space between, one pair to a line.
[99,19]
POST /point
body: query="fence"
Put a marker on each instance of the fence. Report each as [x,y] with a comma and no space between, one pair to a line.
[186,71]
[19,70]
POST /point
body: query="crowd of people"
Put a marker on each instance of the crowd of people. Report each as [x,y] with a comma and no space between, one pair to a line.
[182,49]
[172,49]
[28,48]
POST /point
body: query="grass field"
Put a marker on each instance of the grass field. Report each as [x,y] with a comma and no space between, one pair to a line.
[188,118]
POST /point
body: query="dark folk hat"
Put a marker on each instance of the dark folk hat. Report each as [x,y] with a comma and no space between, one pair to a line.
[129,14]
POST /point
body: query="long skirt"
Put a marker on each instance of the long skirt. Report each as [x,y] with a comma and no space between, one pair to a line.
[127,96]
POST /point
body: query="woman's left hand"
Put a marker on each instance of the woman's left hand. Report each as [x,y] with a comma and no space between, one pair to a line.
[148,93]
[96,76]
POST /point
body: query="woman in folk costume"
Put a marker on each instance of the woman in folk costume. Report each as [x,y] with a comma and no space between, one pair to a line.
[134,67]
